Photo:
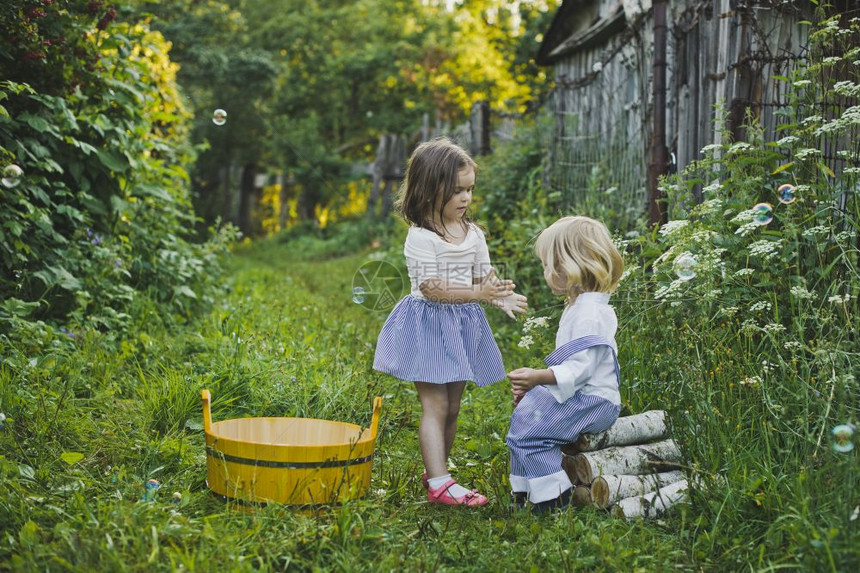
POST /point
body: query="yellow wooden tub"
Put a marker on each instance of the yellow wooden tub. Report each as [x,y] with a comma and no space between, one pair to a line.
[297,461]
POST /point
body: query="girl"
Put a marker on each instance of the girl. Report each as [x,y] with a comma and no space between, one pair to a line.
[579,391]
[438,336]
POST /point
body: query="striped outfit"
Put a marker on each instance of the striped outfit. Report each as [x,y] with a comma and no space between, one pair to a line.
[426,341]
[585,400]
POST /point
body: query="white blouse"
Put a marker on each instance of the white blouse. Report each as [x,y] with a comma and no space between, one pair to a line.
[591,371]
[429,256]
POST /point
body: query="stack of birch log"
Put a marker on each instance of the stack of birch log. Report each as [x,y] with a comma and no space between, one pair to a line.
[630,469]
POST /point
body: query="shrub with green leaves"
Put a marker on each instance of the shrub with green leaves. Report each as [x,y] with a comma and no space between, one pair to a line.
[98,218]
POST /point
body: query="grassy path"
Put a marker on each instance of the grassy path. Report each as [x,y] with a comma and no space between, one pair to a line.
[95,420]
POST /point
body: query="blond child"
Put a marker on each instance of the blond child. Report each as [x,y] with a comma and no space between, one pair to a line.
[578,391]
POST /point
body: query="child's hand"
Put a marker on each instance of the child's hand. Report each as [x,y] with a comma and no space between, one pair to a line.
[523,380]
[512,303]
[494,288]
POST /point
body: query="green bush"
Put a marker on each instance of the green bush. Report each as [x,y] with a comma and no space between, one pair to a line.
[97,223]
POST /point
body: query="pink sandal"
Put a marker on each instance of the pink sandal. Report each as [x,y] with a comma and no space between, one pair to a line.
[441,495]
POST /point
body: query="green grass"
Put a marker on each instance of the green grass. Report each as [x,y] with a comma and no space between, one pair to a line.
[286,339]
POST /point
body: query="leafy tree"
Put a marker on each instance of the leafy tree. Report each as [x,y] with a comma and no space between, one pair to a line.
[97,126]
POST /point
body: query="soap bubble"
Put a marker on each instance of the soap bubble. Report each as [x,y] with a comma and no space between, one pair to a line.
[685,266]
[762,213]
[151,488]
[377,285]
[358,295]
[843,438]
[2,420]
[12,176]
[786,194]
[219,117]
[177,497]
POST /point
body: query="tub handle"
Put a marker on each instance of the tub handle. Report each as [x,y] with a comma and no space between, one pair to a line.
[374,422]
[207,411]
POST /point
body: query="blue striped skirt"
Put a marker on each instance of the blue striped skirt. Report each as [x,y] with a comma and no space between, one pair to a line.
[424,341]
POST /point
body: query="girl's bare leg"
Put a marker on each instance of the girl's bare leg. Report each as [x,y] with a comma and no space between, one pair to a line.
[455,394]
[432,430]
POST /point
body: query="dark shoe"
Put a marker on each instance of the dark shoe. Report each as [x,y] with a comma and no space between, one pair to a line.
[518,500]
[552,505]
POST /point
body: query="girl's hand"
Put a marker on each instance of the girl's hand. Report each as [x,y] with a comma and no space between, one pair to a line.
[493,288]
[512,303]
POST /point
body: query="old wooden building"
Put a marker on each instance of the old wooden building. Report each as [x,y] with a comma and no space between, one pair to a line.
[611,135]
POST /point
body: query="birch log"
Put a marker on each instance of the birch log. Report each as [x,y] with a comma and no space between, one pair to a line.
[653,504]
[627,460]
[637,429]
[581,496]
[607,489]
[569,469]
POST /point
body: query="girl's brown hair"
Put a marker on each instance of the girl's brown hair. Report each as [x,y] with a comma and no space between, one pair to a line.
[433,168]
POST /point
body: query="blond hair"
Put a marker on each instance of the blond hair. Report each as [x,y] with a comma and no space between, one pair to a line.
[579,256]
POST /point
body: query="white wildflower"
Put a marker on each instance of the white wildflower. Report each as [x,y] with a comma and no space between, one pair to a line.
[766,366]
[801,293]
[746,229]
[667,290]
[711,148]
[729,311]
[751,381]
[743,272]
[812,119]
[743,216]
[628,271]
[850,117]
[787,141]
[526,341]
[704,236]
[849,89]
[712,188]
[535,322]
[801,83]
[792,346]
[760,306]
[708,207]
[664,257]
[597,67]
[851,170]
[846,236]
[804,153]
[749,325]
[839,299]
[774,327]
[738,147]
[813,232]
[765,249]
[712,295]
[672,227]
[746,220]
[831,60]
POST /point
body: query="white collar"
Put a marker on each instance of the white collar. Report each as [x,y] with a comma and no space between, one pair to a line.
[593,298]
